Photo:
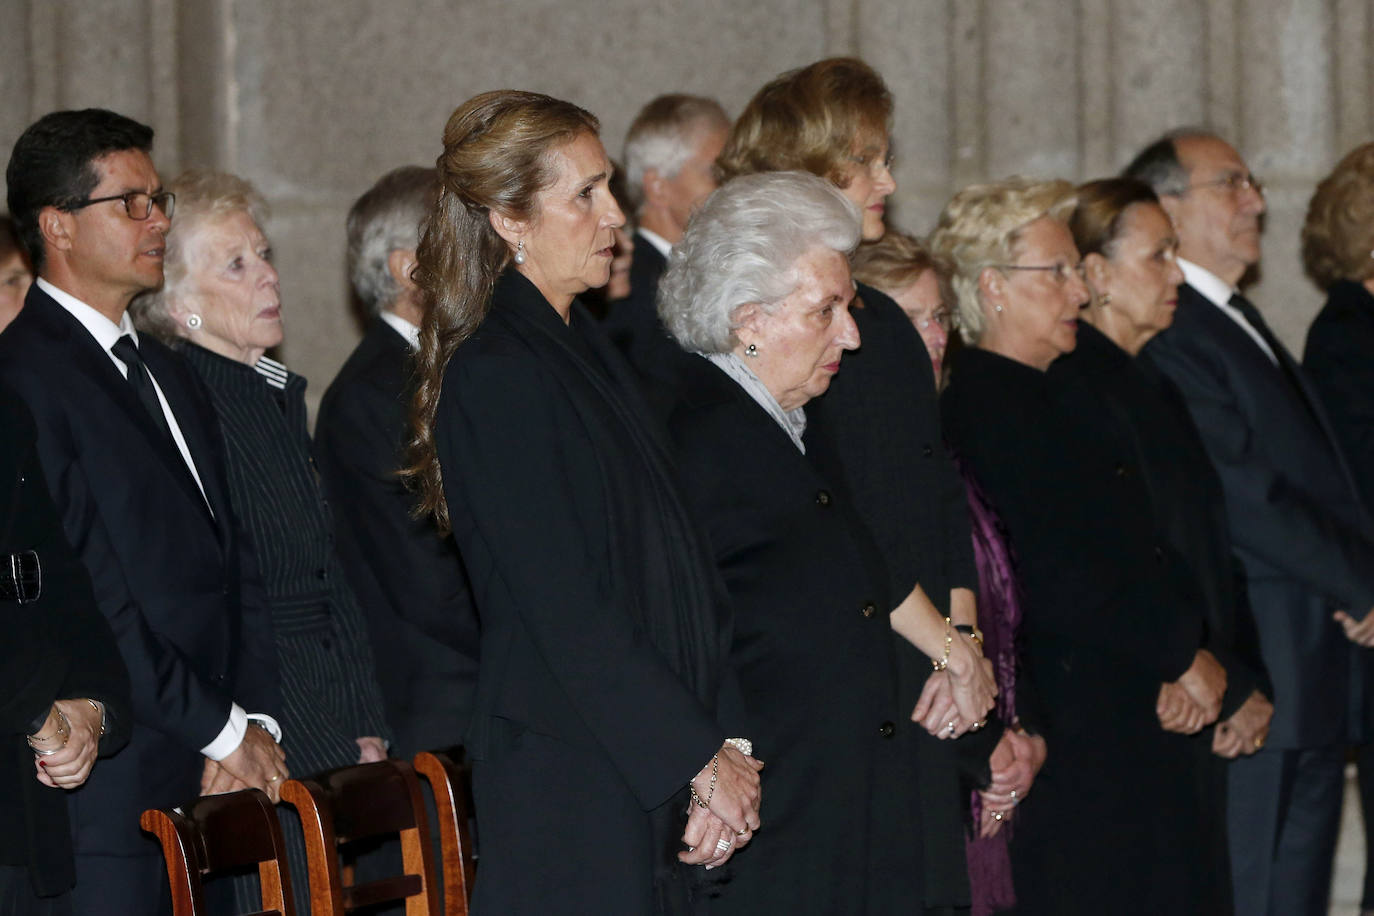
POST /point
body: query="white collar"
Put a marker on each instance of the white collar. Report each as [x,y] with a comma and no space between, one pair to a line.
[410,332]
[105,331]
[658,241]
[1215,289]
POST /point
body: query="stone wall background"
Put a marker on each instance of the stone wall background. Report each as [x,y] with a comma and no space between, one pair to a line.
[314,99]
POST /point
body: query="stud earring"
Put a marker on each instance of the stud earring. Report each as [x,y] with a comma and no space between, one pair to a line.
[1105,299]
[193,321]
[997,308]
[520,252]
[751,351]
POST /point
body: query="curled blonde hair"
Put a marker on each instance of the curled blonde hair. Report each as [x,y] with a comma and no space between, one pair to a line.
[1338,234]
[897,260]
[497,157]
[981,227]
[203,197]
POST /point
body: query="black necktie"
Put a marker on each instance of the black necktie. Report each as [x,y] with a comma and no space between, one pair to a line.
[1286,364]
[141,382]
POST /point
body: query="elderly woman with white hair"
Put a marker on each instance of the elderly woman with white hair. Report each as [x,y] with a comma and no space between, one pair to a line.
[220,306]
[758,293]
[1110,625]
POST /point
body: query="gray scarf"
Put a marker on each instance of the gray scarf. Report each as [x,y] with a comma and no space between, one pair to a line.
[793,422]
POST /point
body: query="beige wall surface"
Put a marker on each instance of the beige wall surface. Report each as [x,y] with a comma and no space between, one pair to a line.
[314,99]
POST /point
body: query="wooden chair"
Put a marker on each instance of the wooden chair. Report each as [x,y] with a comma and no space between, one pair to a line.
[452,798]
[358,802]
[217,833]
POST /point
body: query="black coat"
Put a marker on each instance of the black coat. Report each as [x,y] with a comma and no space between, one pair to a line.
[1143,418]
[603,628]
[1110,614]
[1296,520]
[1339,359]
[813,651]
[329,687]
[57,647]
[409,581]
[170,575]
[633,321]
[882,414]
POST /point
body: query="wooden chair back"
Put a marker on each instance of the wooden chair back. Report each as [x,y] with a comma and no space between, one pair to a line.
[217,833]
[452,787]
[358,802]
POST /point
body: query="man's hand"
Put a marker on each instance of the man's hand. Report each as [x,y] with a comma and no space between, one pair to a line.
[1205,683]
[1247,729]
[258,762]
[1360,632]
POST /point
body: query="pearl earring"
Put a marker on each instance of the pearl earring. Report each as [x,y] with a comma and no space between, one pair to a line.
[997,308]
[193,321]
[751,351]
[520,252]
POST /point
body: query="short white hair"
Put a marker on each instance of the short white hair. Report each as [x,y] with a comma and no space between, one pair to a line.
[387,217]
[664,136]
[742,247]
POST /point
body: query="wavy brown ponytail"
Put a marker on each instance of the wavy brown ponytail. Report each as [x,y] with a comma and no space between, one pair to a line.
[496,158]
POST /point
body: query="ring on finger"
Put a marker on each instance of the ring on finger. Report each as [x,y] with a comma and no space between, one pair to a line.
[950,726]
[997,815]
[722,846]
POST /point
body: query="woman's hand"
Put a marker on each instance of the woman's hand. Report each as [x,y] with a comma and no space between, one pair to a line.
[371,749]
[1014,764]
[69,767]
[1178,712]
[971,679]
[1205,682]
[709,840]
[736,795]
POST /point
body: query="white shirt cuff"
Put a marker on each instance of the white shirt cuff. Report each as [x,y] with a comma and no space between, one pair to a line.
[231,736]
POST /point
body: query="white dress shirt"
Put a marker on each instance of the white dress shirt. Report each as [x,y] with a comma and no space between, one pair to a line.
[106,333]
[657,241]
[1218,292]
[398,324]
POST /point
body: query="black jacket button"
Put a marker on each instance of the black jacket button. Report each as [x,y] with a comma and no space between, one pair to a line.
[869,609]
[887,729]
[822,497]
[927,451]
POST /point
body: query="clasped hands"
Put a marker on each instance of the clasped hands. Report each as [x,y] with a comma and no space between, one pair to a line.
[1187,705]
[70,762]
[957,699]
[257,763]
[1014,763]
[728,822]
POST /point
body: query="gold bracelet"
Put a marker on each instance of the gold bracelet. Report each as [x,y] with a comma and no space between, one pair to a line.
[101,710]
[940,664]
[711,792]
[64,728]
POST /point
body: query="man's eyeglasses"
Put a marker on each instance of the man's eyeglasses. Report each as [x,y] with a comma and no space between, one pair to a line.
[136,203]
[1062,271]
[1232,184]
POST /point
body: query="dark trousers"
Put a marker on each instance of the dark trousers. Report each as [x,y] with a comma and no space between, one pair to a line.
[122,886]
[1284,815]
[18,899]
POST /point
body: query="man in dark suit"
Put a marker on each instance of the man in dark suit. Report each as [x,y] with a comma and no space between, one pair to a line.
[670,152]
[410,582]
[1297,523]
[129,446]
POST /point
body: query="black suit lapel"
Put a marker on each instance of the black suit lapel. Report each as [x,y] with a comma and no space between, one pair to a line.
[193,430]
[90,360]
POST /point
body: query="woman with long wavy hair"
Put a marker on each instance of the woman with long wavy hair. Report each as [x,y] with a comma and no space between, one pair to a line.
[603,633]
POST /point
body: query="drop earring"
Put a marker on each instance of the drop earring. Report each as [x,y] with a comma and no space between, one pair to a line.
[520,252]
[751,351]
[193,321]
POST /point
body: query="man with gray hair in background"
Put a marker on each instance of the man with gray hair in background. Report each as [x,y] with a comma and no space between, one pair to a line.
[410,582]
[670,152]
[1305,541]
